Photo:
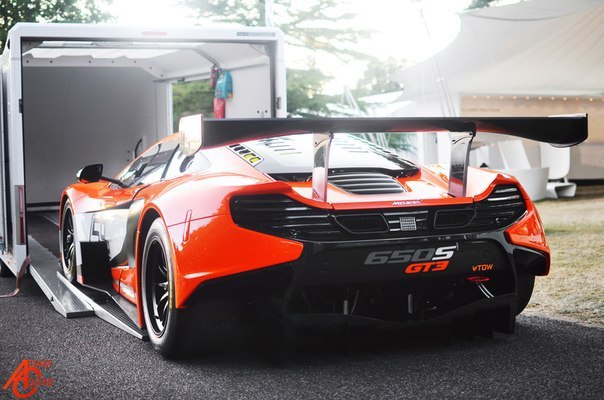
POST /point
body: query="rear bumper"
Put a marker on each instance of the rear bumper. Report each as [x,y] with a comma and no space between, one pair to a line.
[331,285]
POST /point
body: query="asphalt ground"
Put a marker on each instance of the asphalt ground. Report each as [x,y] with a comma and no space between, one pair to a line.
[90,359]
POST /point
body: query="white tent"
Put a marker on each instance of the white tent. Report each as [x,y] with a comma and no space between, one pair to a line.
[532,47]
[537,57]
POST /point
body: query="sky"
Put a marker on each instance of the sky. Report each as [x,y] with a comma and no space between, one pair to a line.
[409,30]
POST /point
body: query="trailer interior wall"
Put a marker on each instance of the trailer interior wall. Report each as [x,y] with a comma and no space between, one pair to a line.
[252,94]
[76,113]
[75,116]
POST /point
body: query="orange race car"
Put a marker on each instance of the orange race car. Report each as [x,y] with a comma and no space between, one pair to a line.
[282,223]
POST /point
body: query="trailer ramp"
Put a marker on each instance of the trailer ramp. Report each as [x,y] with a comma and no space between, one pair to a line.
[43,269]
[73,300]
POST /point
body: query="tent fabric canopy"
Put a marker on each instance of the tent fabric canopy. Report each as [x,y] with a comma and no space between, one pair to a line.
[537,47]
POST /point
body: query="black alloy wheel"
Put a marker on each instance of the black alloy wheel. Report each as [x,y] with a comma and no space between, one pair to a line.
[157,290]
[158,286]
[68,245]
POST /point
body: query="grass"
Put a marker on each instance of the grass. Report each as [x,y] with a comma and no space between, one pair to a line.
[574,288]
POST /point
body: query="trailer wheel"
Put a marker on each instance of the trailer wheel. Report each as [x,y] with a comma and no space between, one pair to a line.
[157,284]
[67,243]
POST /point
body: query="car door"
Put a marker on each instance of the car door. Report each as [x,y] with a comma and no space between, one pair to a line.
[115,219]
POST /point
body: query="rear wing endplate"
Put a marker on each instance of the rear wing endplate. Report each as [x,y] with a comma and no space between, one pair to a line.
[561,131]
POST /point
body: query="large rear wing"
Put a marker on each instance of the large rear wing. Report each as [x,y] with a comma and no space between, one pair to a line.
[561,131]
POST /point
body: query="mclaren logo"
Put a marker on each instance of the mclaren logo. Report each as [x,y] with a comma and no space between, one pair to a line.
[414,261]
[406,203]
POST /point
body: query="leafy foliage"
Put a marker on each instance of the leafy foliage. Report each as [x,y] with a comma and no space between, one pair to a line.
[13,11]
[304,93]
[192,98]
[308,24]
[400,142]
[376,79]
[481,4]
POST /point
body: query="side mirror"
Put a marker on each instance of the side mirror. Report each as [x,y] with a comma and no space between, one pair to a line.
[90,173]
[191,134]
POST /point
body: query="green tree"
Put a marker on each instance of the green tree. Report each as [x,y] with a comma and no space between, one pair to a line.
[481,4]
[304,93]
[13,11]
[304,96]
[308,25]
[376,79]
[191,98]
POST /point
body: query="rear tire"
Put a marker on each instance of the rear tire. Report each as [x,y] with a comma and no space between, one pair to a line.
[176,333]
[67,243]
[157,283]
[524,289]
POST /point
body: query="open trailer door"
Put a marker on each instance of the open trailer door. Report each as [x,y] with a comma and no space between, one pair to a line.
[3,204]
[81,94]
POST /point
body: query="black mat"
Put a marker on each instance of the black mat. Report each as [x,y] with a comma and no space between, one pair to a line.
[45,232]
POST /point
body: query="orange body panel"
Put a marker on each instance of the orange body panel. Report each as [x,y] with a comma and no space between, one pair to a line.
[116,274]
[128,286]
[216,247]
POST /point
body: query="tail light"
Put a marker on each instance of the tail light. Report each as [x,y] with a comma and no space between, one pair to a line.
[529,232]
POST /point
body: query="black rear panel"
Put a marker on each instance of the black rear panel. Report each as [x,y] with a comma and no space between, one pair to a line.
[397,281]
[350,264]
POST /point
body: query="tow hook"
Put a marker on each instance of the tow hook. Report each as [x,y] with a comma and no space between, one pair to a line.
[479,281]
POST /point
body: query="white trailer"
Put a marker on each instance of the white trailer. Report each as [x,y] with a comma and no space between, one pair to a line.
[75,94]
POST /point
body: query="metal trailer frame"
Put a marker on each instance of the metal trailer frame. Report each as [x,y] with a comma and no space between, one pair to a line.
[15,246]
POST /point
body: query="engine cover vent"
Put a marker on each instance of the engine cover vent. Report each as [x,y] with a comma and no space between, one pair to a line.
[366,183]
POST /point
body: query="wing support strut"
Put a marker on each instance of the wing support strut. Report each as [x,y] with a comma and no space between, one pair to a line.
[320,169]
[461,143]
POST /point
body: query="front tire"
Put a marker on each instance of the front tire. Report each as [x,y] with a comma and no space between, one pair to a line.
[67,244]
[157,285]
